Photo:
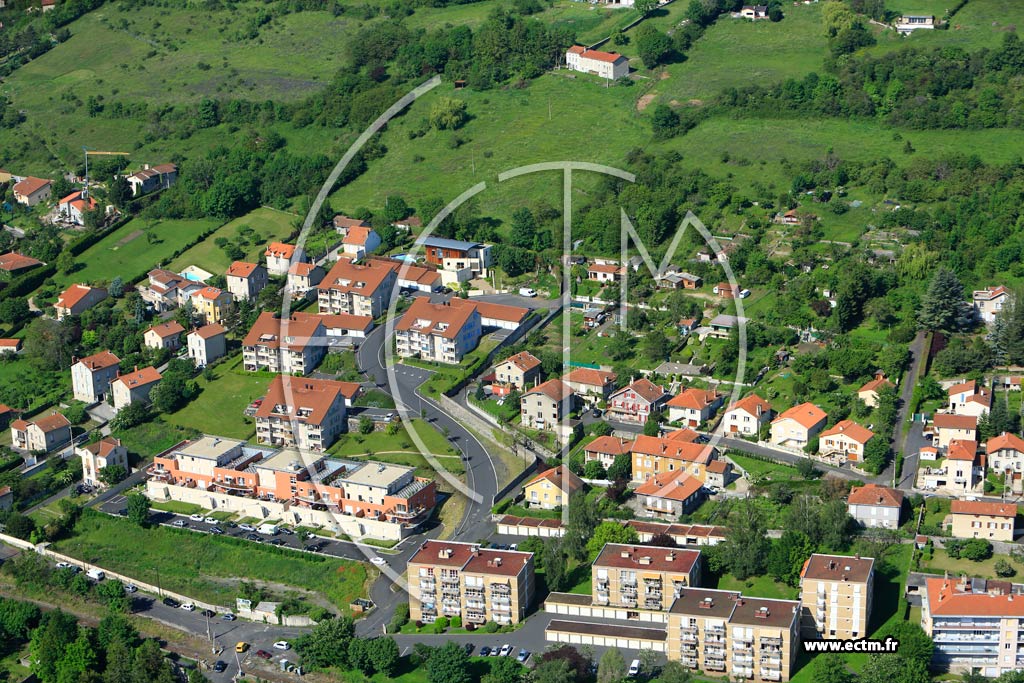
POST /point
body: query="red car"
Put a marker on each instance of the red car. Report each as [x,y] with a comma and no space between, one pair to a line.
[263,654]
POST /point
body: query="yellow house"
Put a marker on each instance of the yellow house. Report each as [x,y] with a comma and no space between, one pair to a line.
[551,489]
[211,304]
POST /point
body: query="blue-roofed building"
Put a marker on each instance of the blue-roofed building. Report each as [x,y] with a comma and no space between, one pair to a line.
[457,260]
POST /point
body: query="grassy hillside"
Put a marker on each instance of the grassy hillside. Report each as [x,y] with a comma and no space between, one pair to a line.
[268,225]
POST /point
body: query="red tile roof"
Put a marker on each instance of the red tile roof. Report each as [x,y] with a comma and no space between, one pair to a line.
[837,567]
[300,331]
[645,389]
[946,599]
[595,54]
[167,329]
[693,398]
[970,386]
[74,294]
[555,389]
[104,446]
[649,557]
[806,414]
[879,496]
[342,221]
[10,343]
[242,269]
[609,445]
[99,361]
[524,360]
[675,485]
[363,279]
[439,319]
[876,384]
[313,395]
[673,448]
[982,508]
[357,236]
[30,185]
[850,429]
[12,261]
[590,377]
[560,476]
[210,293]
[949,421]
[139,378]
[302,269]
[1007,441]
[443,554]
[280,250]
[962,449]
[751,404]
[487,309]
[209,331]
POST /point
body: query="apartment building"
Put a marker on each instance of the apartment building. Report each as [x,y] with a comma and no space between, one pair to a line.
[296,345]
[722,632]
[367,490]
[671,494]
[246,280]
[976,625]
[42,434]
[91,376]
[653,455]
[836,592]
[359,289]
[307,413]
[439,332]
[207,344]
[983,519]
[643,576]
[452,579]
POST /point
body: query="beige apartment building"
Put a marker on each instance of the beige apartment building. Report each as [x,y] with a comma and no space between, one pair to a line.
[643,577]
[307,413]
[836,593]
[357,289]
[724,633]
[293,346]
[452,579]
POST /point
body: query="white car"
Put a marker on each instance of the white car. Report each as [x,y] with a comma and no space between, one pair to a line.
[188,607]
[210,520]
[196,518]
[247,527]
[506,650]
[528,292]
[64,565]
[130,588]
[180,523]
[379,561]
[282,645]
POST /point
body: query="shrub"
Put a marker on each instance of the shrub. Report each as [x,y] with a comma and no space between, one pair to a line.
[489,627]
[1004,568]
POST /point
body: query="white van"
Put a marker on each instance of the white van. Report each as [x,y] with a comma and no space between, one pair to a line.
[634,668]
[267,529]
[96,574]
[527,291]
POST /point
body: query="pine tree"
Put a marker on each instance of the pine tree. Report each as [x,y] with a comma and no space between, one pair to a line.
[942,307]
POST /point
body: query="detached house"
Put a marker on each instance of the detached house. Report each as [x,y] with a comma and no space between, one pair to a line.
[637,401]
[798,425]
[670,494]
[343,224]
[134,387]
[31,191]
[610,65]
[360,242]
[279,257]
[165,290]
[949,427]
[96,456]
[590,383]
[77,299]
[303,279]
[246,280]
[983,519]
[515,372]
[875,506]
[605,272]
[546,405]
[747,415]
[212,305]
[152,178]
[207,344]
[457,260]
[606,448]
[989,302]
[694,406]
[727,291]
[967,398]
[960,474]
[92,375]
[847,439]
[43,434]
[552,488]
[73,207]
[12,262]
[166,335]
[869,392]
[1006,458]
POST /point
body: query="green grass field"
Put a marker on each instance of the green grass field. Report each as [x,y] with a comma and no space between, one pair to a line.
[980,23]
[128,252]
[270,225]
[206,567]
[758,586]
[219,407]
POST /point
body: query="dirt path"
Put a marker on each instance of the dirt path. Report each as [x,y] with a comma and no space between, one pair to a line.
[645,100]
[133,235]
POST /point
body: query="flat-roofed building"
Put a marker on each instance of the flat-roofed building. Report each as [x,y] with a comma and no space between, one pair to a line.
[837,594]
[643,576]
[453,579]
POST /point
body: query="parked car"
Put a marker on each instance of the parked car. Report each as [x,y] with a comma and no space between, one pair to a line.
[171,602]
[247,527]
[131,588]
[219,666]
[506,650]
[253,537]
[228,617]
[468,647]
[196,518]
[65,565]
[241,646]
[263,654]
[282,645]
[188,607]
[277,541]
[379,561]
[485,651]
[208,613]
[286,532]
[216,530]
[523,656]
[180,523]
[527,291]
[96,574]
[123,512]
[634,669]
[495,651]
[210,520]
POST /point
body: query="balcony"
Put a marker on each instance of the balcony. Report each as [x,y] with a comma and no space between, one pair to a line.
[714,664]
[500,589]
[715,631]
[686,637]
[713,651]
[771,662]
[476,617]
[742,660]
[475,594]
[427,586]
[770,675]
[689,662]
[771,642]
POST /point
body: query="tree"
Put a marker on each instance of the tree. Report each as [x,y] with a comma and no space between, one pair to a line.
[582,522]
[652,45]
[556,569]
[505,670]
[112,474]
[664,122]
[876,454]
[119,663]
[612,667]
[610,532]
[645,7]
[132,415]
[554,671]
[1004,568]
[891,668]
[327,644]
[20,526]
[976,550]
[170,394]
[656,345]
[119,191]
[579,663]
[915,644]
[448,114]
[652,427]
[56,631]
[622,467]
[49,344]
[149,664]
[115,626]
[942,306]
[138,508]
[787,556]
[359,656]
[523,232]
[449,664]
[15,311]
[594,470]
[365,425]
[77,659]
[746,548]
[831,668]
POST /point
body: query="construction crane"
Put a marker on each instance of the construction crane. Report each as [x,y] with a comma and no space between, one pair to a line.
[96,152]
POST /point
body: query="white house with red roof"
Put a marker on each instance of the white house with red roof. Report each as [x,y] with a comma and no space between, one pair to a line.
[670,494]
[303,279]
[91,376]
[73,207]
[207,344]
[515,372]
[747,415]
[610,65]
[869,392]
[106,452]
[41,433]
[546,405]
[590,382]
[77,299]
[605,272]
[279,257]
[1005,457]
[967,398]
[10,345]
[960,473]
[875,506]
[796,427]
[693,406]
[165,335]
[134,386]
[846,439]
[989,302]
[360,242]
[31,190]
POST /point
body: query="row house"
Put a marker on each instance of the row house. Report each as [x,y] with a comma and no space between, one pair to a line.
[304,413]
[478,585]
